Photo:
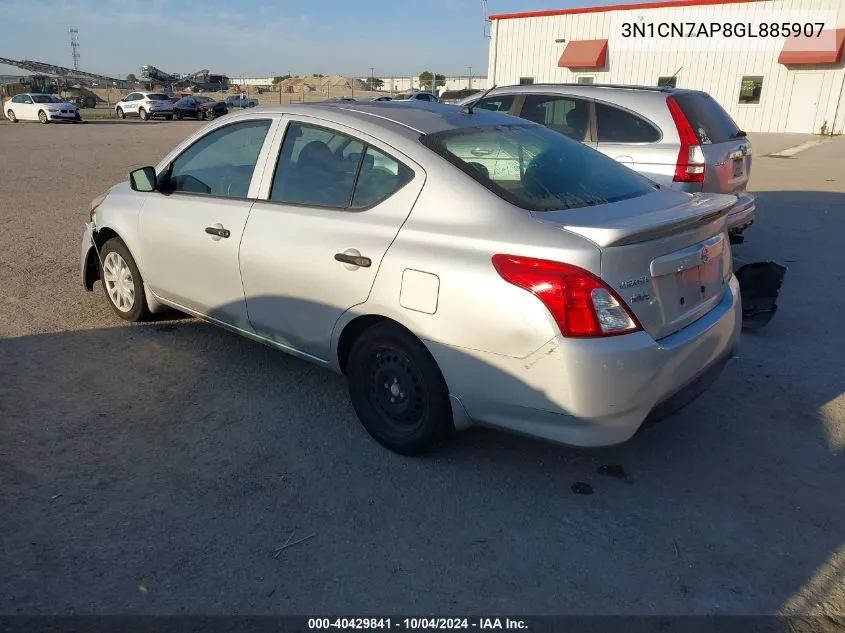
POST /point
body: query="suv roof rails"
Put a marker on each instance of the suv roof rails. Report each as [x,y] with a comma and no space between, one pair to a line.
[621,86]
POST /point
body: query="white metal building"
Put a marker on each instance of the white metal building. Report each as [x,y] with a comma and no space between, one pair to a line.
[767,83]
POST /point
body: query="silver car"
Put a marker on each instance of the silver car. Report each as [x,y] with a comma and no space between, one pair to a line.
[458,268]
[679,138]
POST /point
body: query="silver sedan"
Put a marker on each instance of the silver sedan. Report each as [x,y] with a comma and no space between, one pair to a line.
[458,267]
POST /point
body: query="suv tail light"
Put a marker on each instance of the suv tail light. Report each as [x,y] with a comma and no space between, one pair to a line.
[690,164]
[581,304]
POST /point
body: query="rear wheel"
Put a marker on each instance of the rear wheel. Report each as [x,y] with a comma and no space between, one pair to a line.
[143,114]
[397,390]
[200,115]
[42,116]
[121,114]
[11,116]
[178,115]
[122,281]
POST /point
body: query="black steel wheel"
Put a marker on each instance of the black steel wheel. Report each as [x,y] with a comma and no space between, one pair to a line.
[398,391]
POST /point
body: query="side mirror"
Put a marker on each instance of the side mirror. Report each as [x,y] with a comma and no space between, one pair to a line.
[143,179]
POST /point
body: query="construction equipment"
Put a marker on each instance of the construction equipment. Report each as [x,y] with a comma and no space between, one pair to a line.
[200,80]
[68,83]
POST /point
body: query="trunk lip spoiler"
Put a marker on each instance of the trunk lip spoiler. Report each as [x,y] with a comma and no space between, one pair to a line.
[622,234]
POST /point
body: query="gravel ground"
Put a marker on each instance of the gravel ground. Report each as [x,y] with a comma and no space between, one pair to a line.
[157,468]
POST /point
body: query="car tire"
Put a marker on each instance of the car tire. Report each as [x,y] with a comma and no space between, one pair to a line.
[11,116]
[178,115]
[121,114]
[122,281]
[398,391]
[42,116]
[200,115]
[143,114]
[169,117]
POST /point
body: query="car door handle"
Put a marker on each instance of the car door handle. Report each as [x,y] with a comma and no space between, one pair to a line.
[216,230]
[355,260]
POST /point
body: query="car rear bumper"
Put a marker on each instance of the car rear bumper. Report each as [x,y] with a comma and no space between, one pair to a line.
[595,392]
[742,214]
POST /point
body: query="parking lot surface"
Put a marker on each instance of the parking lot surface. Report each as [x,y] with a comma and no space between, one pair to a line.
[160,468]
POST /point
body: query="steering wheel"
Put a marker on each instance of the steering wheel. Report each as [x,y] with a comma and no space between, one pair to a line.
[229,179]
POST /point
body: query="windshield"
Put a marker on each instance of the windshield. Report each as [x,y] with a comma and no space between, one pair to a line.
[42,99]
[538,169]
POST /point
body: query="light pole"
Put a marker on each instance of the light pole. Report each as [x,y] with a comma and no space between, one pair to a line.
[470,78]
[372,78]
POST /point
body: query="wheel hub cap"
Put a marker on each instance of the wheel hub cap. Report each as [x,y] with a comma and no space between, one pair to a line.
[118,281]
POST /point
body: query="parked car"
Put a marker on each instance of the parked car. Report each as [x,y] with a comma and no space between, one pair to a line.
[455,96]
[240,101]
[28,106]
[421,96]
[146,105]
[383,98]
[456,267]
[200,108]
[679,138]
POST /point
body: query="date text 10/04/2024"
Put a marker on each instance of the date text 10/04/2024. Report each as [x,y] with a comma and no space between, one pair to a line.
[417,623]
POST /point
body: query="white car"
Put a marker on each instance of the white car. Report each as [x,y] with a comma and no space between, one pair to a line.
[146,105]
[28,106]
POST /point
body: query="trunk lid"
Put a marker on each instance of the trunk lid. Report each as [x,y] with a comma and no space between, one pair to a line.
[665,254]
[726,151]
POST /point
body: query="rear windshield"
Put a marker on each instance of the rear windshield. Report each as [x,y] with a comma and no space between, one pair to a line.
[707,117]
[537,169]
[158,97]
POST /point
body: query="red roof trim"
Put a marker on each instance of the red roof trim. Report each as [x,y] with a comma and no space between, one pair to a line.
[584,54]
[809,50]
[618,7]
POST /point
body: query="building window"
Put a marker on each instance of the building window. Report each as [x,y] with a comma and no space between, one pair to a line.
[750,89]
[587,79]
[670,82]
[526,81]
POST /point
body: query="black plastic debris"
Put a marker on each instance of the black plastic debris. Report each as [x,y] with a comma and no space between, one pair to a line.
[759,285]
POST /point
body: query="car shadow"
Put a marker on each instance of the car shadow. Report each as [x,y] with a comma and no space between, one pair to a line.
[184,460]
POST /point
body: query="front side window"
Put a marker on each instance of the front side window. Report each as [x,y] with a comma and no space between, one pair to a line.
[325,168]
[615,125]
[750,89]
[27,99]
[42,99]
[222,162]
[536,168]
[564,115]
[500,103]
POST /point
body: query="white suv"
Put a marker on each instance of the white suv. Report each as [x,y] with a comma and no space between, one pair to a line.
[145,105]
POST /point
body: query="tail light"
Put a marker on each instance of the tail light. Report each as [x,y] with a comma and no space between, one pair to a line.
[690,164]
[581,304]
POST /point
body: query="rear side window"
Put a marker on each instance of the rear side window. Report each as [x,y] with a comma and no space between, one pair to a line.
[501,103]
[324,168]
[709,120]
[615,125]
[564,115]
[537,169]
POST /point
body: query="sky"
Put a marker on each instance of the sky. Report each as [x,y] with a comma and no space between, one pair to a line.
[258,37]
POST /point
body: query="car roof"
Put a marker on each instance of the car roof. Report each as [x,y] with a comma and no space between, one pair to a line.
[417,117]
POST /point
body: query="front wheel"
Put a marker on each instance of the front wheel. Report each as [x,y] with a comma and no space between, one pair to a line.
[11,116]
[121,114]
[143,114]
[122,282]
[397,390]
[42,116]
[178,115]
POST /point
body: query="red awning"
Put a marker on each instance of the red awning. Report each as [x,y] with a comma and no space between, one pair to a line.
[584,54]
[823,49]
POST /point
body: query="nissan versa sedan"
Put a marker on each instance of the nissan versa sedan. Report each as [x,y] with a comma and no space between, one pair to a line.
[458,267]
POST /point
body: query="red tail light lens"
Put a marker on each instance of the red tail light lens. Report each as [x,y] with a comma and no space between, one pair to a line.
[690,164]
[581,304]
